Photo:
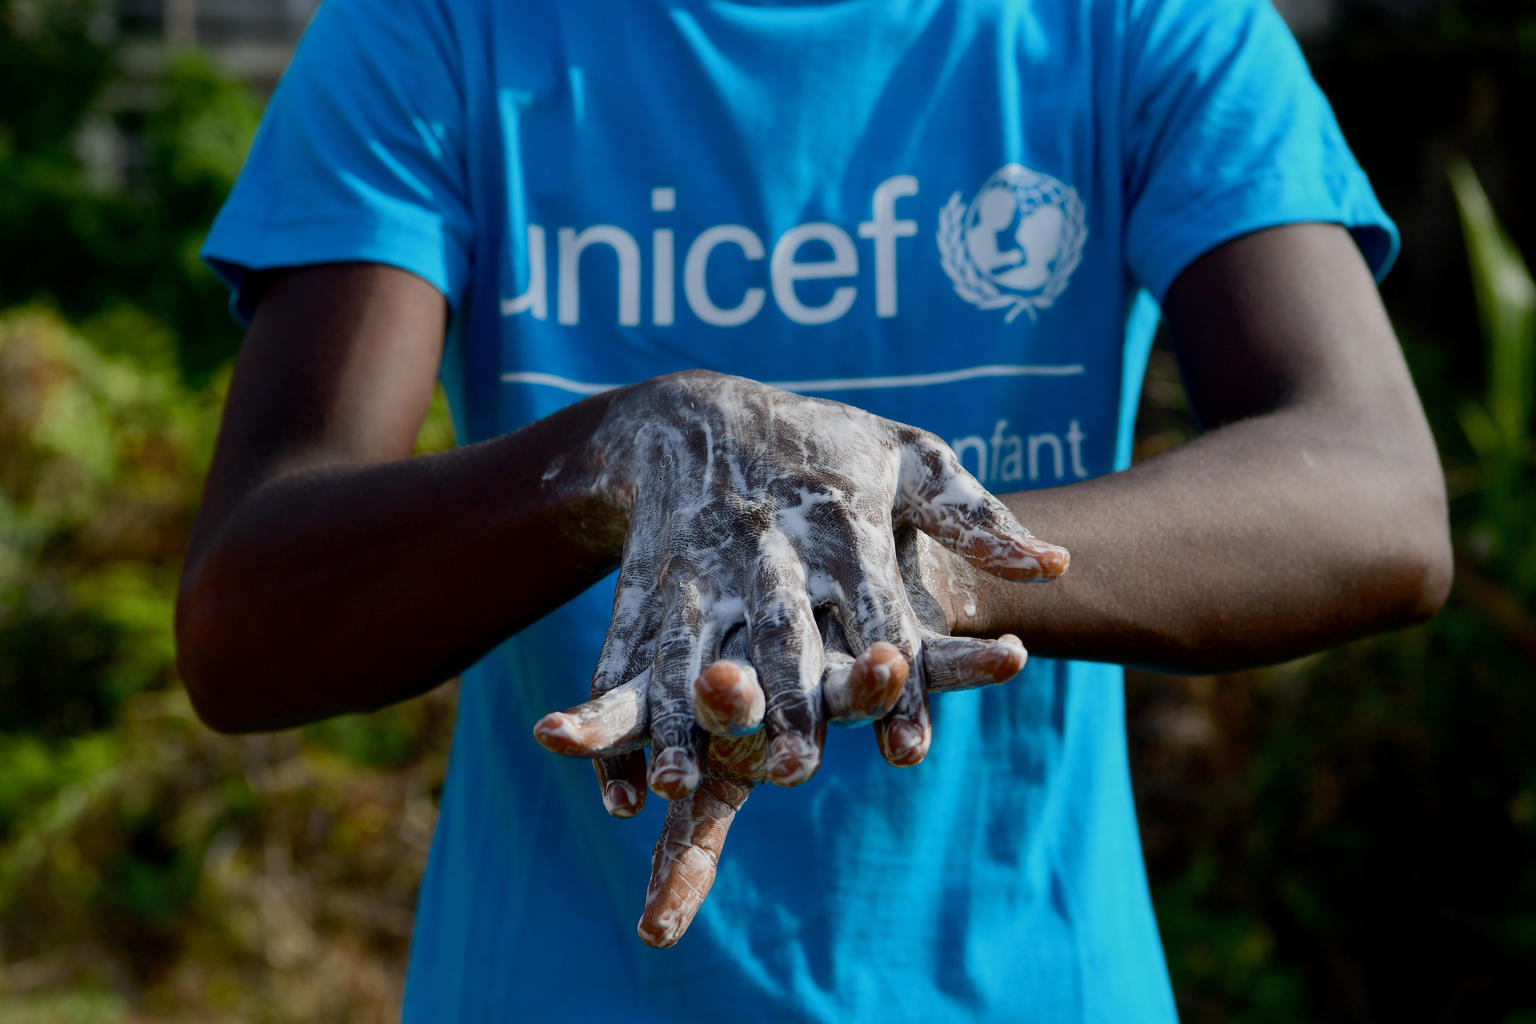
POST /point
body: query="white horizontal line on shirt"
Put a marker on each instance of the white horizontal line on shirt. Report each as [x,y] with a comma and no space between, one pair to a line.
[915,380]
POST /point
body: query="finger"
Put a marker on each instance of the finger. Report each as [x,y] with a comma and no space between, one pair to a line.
[612,723]
[915,556]
[905,734]
[677,743]
[727,699]
[837,701]
[963,663]
[636,616]
[882,630]
[871,609]
[622,781]
[786,648]
[865,688]
[938,496]
[621,778]
[685,858]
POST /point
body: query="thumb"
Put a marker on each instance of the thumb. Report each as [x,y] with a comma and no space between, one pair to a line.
[938,496]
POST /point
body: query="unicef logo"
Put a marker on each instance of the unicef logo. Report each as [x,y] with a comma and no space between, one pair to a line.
[1015,246]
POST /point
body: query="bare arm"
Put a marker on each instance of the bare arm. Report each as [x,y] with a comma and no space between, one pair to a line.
[328,572]
[331,572]
[1312,511]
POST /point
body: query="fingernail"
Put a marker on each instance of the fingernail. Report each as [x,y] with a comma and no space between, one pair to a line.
[621,799]
[1055,560]
[674,774]
[1050,559]
[881,658]
[880,673]
[904,743]
[886,661]
[792,760]
[727,700]
[659,931]
[1001,661]
[556,732]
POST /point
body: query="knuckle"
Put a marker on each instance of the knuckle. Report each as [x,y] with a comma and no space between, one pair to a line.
[932,452]
[789,710]
[875,601]
[671,723]
[778,617]
[927,466]
[677,638]
[684,383]
[928,441]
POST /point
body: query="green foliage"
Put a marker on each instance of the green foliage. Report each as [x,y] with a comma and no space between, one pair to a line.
[388,738]
[90,1005]
[51,71]
[98,252]
[1225,961]
[1365,818]
[99,463]
[141,856]
[198,136]
[1499,428]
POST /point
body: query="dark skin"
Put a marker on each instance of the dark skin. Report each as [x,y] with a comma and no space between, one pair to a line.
[1311,512]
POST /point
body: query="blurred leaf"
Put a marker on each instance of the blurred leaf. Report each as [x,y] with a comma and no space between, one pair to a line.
[95,251]
[79,1006]
[1506,303]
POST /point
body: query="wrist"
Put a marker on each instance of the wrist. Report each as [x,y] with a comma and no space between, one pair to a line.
[579,479]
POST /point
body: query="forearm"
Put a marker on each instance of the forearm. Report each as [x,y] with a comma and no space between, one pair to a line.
[331,587]
[1262,540]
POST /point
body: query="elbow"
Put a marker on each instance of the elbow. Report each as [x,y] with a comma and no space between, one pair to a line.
[1420,565]
[1422,574]
[202,662]
[1396,575]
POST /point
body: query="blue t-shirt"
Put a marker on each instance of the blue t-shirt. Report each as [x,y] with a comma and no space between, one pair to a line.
[957,214]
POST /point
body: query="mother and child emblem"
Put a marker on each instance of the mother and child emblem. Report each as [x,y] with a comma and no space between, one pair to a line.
[1015,246]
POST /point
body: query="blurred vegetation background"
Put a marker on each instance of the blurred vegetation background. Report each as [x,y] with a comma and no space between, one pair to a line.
[1347,837]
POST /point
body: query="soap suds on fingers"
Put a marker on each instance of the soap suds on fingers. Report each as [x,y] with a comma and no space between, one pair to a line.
[779,571]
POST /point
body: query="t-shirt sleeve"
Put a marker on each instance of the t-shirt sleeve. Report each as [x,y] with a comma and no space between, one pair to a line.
[359,156]
[1226,133]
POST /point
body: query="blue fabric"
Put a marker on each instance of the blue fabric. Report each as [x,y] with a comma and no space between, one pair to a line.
[983,202]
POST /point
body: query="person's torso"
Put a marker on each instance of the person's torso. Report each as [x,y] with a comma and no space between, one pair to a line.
[913,208]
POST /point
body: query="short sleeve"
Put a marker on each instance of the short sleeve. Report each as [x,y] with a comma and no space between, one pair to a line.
[1226,133]
[359,155]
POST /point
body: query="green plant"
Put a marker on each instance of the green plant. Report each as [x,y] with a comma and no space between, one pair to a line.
[1499,428]
[121,254]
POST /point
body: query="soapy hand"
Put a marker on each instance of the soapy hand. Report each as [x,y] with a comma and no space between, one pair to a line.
[726,694]
[747,506]
[763,582]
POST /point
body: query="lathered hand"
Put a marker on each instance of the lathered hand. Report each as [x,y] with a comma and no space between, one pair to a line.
[749,513]
[727,695]
[744,505]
